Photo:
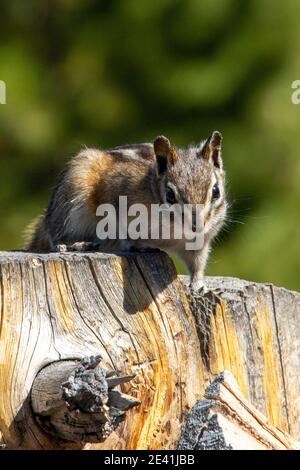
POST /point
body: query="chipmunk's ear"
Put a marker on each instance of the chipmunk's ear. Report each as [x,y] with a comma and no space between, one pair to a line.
[212,149]
[165,153]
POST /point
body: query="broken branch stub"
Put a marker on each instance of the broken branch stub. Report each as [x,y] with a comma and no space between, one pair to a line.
[226,420]
[74,400]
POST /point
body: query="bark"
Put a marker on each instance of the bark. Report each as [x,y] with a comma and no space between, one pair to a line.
[142,320]
[225,420]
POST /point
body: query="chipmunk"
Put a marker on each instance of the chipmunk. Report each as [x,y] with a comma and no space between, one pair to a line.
[157,173]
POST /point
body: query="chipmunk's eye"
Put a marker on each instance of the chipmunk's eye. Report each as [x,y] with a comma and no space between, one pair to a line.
[215,192]
[170,196]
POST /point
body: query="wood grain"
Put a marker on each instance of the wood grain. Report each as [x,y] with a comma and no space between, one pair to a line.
[73,305]
[253,330]
[225,420]
[142,319]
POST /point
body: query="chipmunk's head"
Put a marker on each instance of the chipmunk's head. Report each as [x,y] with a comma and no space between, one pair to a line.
[194,176]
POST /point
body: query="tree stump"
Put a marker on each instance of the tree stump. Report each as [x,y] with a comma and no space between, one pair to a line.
[143,321]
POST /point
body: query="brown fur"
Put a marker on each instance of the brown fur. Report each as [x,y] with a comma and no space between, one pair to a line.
[143,173]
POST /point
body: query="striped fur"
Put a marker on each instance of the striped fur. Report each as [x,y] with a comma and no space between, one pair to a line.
[95,177]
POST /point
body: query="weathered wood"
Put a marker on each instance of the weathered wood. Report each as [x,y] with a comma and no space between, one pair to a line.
[225,420]
[253,330]
[75,400]
[135,312]
[130,310]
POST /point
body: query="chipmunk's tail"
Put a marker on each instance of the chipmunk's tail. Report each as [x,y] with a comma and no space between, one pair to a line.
[35,235]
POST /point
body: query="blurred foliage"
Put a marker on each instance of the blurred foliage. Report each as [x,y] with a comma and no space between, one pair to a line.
[105,73]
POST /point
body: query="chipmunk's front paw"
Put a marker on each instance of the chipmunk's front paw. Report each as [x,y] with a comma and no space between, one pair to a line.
[82,246]
[199,286]
[61,248]
[77,246]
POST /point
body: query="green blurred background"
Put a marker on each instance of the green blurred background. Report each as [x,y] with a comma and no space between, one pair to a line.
[105,73]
